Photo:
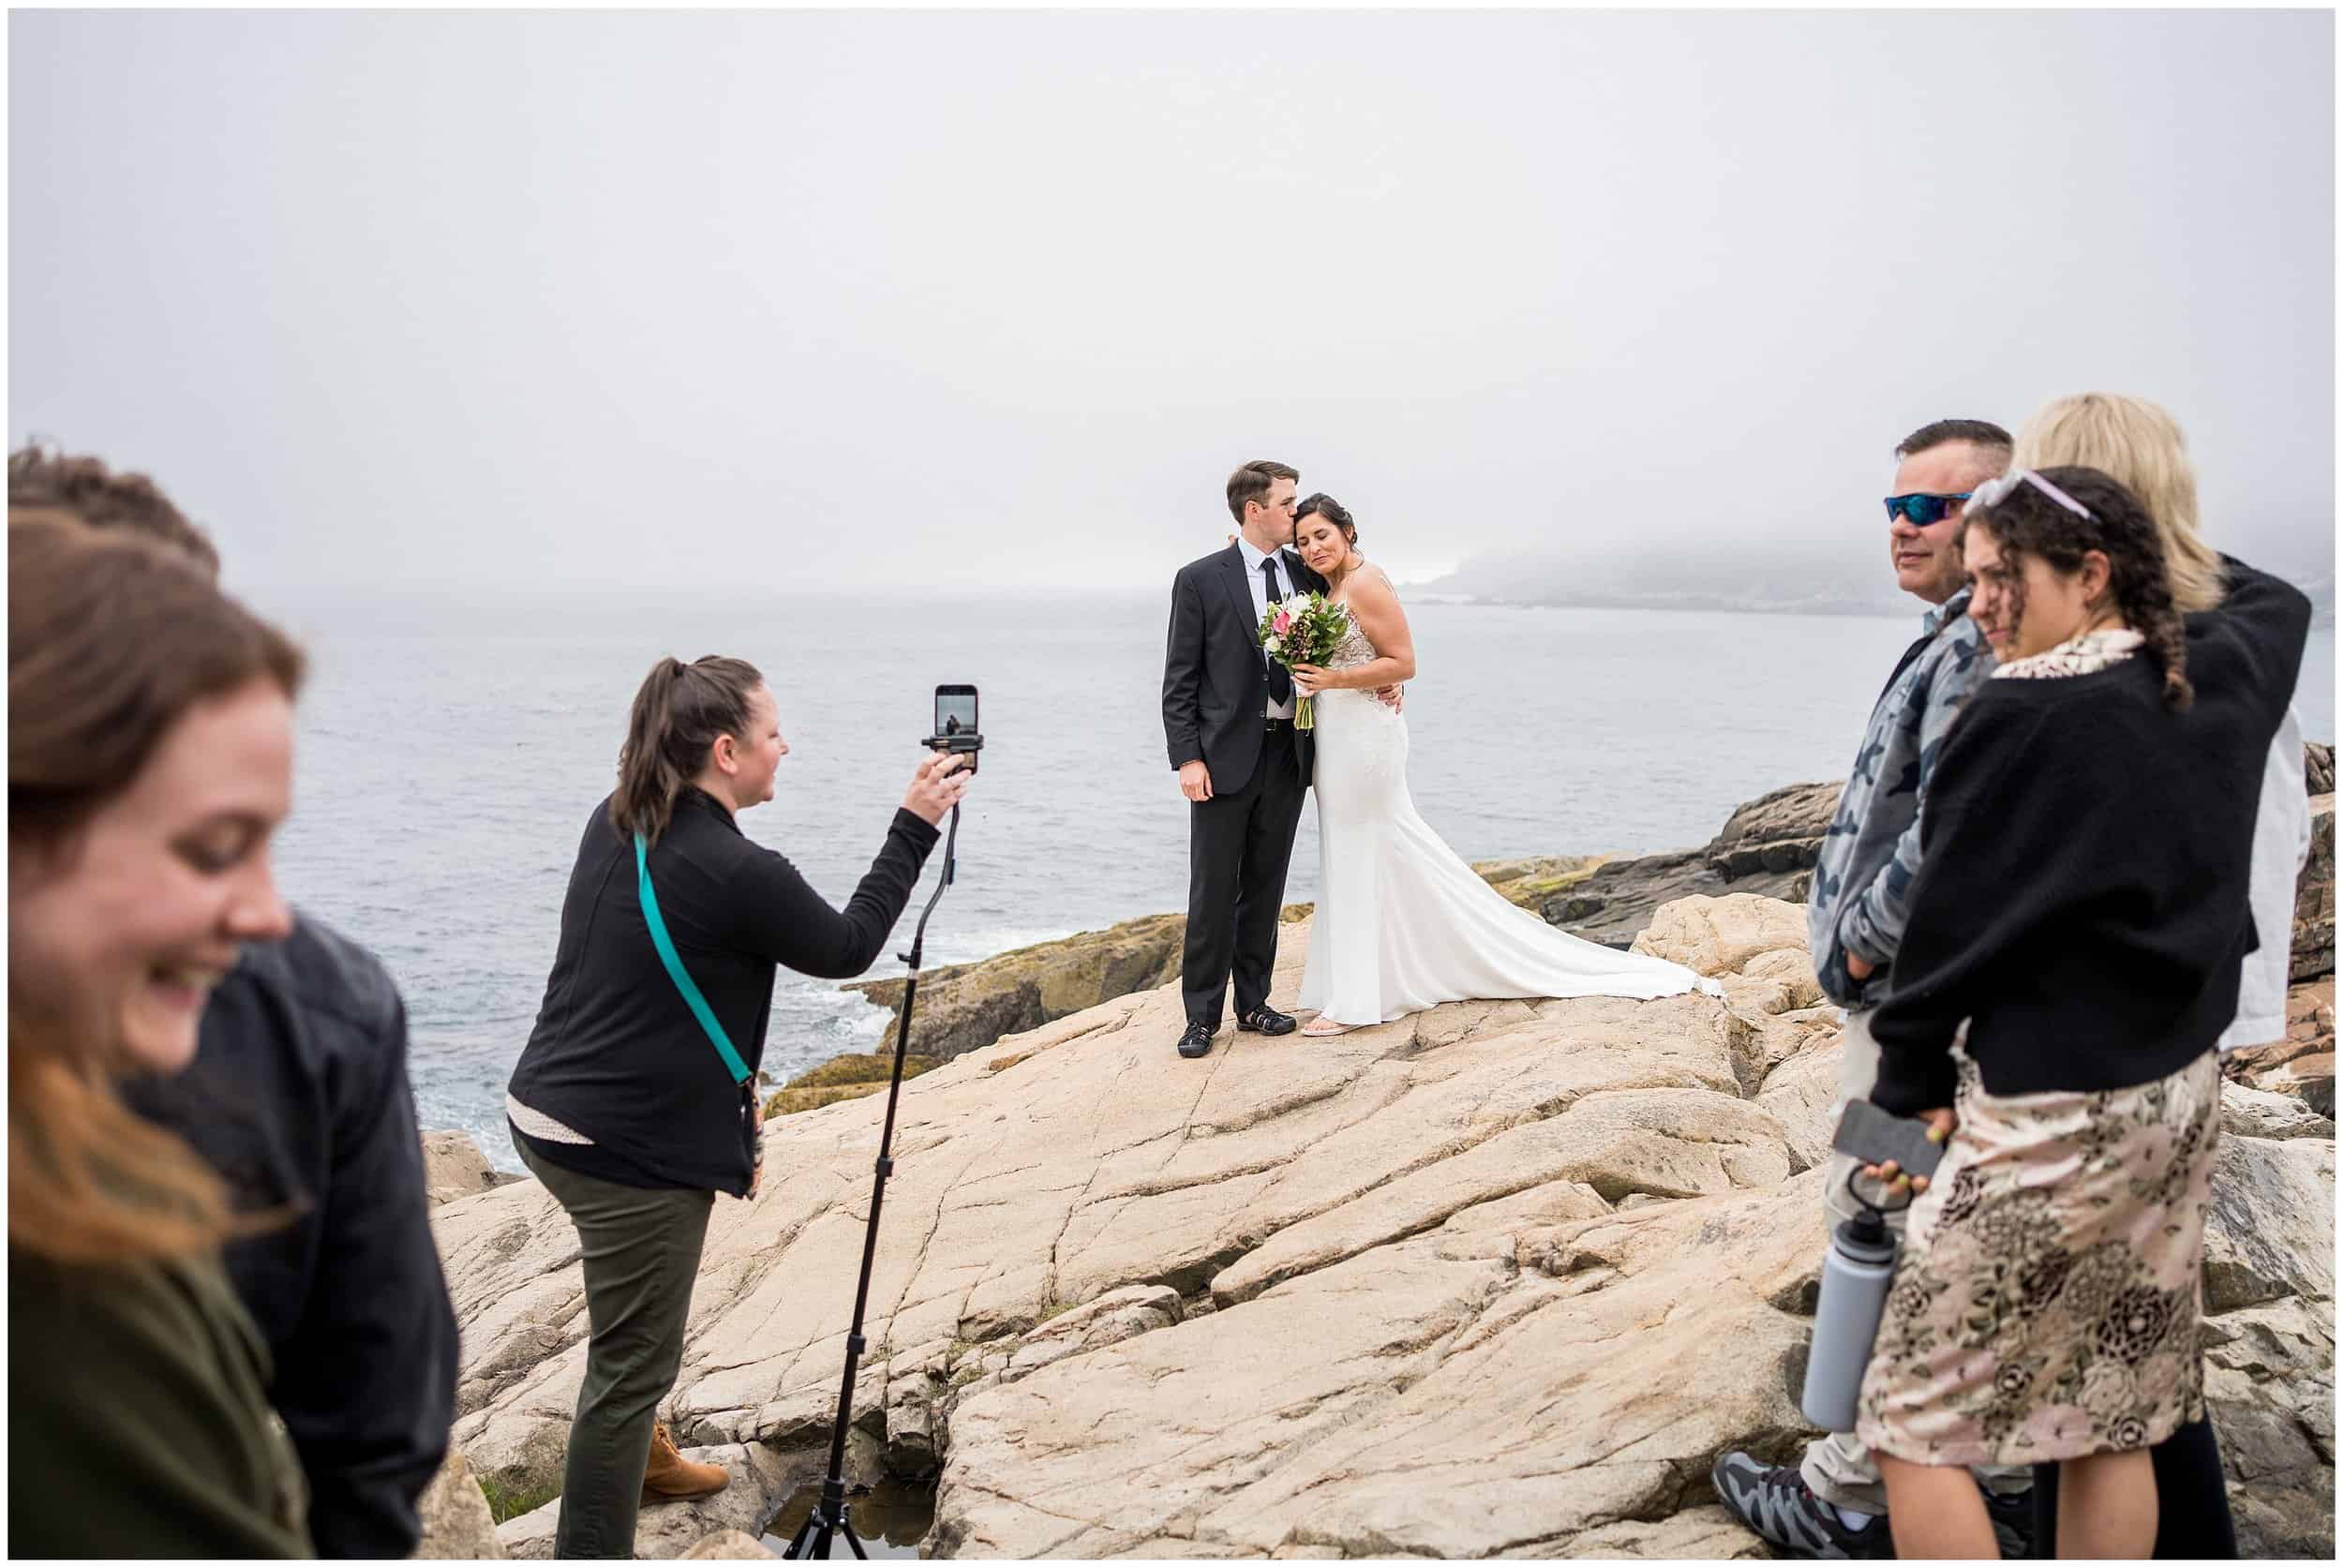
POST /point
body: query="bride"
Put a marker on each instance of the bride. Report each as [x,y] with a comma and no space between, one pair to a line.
[1403,924]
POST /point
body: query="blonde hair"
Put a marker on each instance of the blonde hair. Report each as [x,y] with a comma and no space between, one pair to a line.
[2140,446]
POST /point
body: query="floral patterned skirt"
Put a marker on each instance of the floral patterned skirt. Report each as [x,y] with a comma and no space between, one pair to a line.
[2048,1300]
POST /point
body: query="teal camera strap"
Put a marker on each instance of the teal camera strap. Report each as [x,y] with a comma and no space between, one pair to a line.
[676,972]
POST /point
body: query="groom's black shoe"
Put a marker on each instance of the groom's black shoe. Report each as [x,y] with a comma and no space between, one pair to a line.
[1197,1041]
[1265,1020]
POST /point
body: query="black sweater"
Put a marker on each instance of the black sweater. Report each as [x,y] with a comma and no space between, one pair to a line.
[2082,899]
[616,1054]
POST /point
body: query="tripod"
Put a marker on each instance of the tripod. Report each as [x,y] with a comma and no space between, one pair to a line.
[829,1517]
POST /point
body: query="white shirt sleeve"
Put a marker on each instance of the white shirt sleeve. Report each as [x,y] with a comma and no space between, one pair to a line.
[2281,844]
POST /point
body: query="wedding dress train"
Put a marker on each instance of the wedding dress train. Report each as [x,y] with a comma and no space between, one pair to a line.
[1403,923]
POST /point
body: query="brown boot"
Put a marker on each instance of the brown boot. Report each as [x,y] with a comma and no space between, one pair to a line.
[670,1477]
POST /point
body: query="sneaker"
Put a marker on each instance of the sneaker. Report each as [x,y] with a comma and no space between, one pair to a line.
[1774,1501]
[2013,1521]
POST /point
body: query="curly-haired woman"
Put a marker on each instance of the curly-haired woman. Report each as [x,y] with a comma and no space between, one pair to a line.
[2140,446]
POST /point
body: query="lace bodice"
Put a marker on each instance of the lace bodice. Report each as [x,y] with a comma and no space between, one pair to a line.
[1355,650]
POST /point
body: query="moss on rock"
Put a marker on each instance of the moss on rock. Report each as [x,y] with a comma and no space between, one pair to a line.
[848,1077]
[969,1006]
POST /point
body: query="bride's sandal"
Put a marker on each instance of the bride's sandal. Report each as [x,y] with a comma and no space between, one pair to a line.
[1321,1028]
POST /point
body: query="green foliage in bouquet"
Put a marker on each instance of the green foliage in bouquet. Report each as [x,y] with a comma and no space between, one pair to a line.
[1304,629]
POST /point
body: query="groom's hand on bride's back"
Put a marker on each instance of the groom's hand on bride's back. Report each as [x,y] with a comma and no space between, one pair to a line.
[1196,781]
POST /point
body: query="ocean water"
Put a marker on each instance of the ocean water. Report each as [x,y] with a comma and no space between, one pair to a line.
[451,752]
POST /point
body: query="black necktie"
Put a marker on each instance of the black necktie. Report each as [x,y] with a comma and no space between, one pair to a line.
[1280,677]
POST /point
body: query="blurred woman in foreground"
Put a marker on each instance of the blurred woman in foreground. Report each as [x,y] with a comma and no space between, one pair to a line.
[150,760]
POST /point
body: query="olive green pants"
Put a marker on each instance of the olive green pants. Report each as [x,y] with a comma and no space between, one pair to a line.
[641,1248]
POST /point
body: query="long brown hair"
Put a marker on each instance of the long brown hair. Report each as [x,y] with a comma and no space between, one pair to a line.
[2026,522]
[111,639]
[680,711]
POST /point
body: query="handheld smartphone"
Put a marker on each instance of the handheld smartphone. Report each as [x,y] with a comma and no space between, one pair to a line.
[956,719]
[1875,1136]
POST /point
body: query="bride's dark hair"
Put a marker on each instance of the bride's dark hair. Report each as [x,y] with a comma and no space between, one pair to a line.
[1324,505]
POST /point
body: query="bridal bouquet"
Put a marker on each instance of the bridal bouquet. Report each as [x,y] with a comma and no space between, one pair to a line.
[1302,630]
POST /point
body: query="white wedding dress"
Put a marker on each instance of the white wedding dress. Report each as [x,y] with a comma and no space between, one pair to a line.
[1403,923]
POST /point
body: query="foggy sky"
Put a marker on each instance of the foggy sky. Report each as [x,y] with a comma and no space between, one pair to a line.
[812,300]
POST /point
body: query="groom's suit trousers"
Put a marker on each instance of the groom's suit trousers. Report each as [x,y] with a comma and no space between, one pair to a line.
[1239,843]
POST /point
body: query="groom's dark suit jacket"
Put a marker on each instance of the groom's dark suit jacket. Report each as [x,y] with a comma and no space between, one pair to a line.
[1216,679]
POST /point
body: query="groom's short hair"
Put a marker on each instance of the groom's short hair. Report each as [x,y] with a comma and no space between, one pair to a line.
[1252,482]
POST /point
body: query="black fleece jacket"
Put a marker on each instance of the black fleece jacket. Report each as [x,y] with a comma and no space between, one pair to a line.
[616,1054]
[2082,899]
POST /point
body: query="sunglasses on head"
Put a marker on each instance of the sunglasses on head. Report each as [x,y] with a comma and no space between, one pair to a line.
[1923,510]
[1995,491]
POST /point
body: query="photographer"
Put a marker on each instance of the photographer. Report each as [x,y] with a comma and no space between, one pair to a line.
[622,1102]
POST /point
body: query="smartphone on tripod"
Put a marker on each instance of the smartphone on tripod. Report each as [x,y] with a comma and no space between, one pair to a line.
[956,728]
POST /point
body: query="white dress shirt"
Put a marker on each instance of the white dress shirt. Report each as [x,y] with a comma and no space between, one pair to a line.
[1253,558]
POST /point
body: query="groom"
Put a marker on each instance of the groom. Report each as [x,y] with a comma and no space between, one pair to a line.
[1228,719]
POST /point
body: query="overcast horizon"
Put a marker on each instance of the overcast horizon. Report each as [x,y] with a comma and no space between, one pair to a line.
[823,301]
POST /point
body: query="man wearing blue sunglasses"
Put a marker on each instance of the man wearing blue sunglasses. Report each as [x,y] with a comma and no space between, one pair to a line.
[1832,1505]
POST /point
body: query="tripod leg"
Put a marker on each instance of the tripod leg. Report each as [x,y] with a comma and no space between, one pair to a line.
[803,1545]
[845,1528]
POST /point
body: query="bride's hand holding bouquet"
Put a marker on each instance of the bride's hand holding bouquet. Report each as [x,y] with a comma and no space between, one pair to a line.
[1302,633]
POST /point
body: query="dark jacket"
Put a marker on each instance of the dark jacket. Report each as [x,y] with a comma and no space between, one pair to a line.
[2083,902]
[1216,678]
[616,1054]
[298,1094]
[138,1425]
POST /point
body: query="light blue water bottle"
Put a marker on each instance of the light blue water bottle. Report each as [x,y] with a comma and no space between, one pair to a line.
[1856,1271]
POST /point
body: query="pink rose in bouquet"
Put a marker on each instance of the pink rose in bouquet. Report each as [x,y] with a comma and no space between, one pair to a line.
[1302,630]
